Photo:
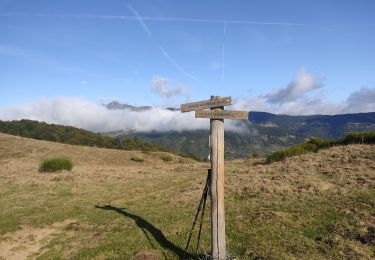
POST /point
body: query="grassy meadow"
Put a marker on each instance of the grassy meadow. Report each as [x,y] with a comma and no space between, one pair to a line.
[110,206]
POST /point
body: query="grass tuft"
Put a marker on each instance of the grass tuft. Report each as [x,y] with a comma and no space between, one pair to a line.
[56,164]
[136,159]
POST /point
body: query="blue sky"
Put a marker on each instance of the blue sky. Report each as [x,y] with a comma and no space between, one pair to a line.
[105,50]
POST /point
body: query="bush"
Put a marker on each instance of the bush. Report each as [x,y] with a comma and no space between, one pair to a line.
[359,138]
[137,159]
[191,156]
[138,145]
[314,144]
[55,164]
[166,158]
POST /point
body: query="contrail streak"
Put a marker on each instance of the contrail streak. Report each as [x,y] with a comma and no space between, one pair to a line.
[223,52]
[197,20]
[162,50]
[140,20]
[178,67]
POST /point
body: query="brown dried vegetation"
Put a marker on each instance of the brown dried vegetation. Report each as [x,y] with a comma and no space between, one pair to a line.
[319,205]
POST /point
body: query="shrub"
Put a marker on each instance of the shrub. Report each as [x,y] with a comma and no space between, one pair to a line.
[55,164]
[191,156]
[166,158]
[136,159]
[359,138]
[314,144]
[139,145]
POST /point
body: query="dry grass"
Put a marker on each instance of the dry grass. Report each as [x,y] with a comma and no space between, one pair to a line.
[312,206]
[29,241]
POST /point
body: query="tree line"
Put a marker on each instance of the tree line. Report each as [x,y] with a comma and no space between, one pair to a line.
[76,136]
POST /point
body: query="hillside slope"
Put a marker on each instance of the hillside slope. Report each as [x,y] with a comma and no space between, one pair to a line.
[315,206]
[72,135]
[56,133]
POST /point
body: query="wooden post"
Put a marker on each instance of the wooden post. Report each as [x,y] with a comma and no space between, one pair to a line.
[216,115]
[217,187]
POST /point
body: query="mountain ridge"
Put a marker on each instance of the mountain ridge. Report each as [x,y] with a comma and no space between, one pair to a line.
[265,134]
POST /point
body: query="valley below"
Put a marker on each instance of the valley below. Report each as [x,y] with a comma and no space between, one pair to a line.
[262,135]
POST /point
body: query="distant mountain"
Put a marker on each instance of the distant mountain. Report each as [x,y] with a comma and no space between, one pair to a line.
[265,134]
[120,106]
[325,126]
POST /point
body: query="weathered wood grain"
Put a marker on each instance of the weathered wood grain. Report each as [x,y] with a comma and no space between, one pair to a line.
[225,101]
[222,114]
[217,187]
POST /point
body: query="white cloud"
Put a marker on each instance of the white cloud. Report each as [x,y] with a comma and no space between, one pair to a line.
[88,115]
[83,82]
[295,99]
[362,100]
[80,112]
[160,85]
[302,83]
[303,106]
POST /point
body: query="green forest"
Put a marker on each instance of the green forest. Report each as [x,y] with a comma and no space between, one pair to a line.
[76,136]
[56,133]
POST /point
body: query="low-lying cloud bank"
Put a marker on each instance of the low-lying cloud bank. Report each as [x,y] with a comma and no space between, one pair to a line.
[295,98]
[88,115]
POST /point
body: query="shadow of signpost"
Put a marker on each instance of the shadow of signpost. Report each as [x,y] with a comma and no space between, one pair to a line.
[155,232]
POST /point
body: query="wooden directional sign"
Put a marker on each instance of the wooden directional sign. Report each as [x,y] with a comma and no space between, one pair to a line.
[216,113]
[221,114]
[226,101]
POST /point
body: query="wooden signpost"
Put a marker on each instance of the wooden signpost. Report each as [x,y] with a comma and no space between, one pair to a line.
[226,101]
[221,114]
[217,114]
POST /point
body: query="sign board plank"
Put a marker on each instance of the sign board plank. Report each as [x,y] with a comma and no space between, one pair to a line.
[222,114]
[225,101]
